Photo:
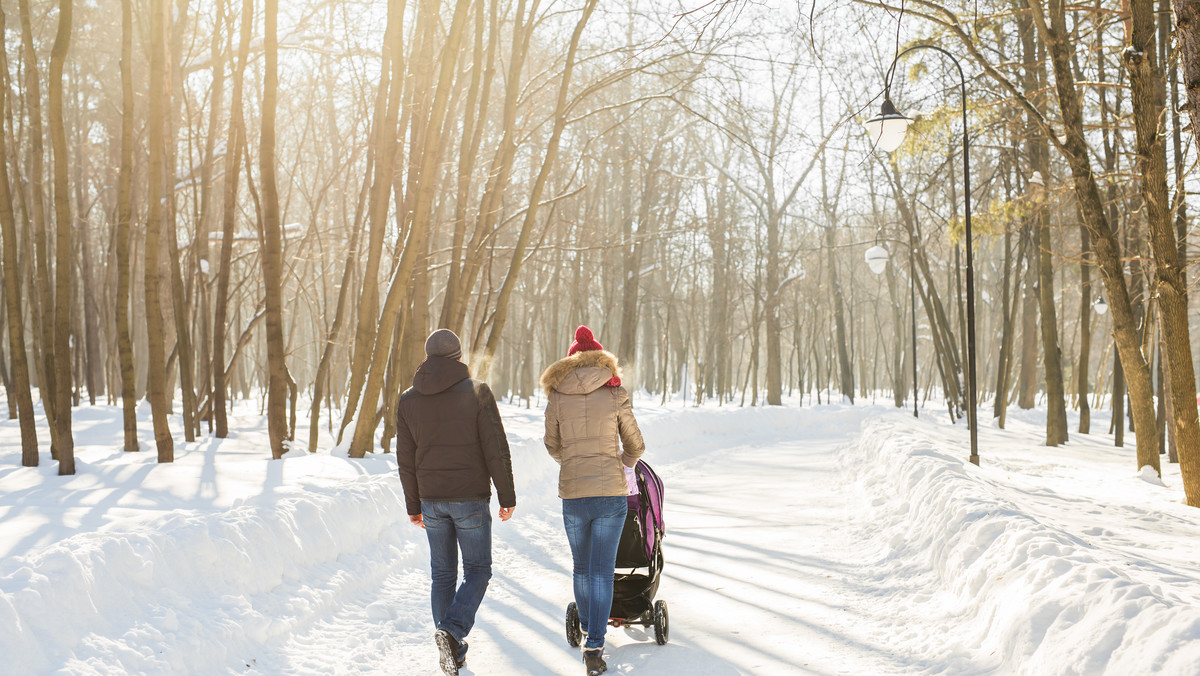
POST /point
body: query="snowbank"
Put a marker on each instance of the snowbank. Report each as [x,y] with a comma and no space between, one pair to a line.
[1013,583]
[190,592]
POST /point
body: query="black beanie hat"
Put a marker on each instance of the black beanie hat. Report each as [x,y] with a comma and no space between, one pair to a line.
[443,343]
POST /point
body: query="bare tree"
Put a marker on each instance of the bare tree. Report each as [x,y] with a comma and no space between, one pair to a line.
[418,230]
[272,244]
[49,372]
[387,110]
[1146,81]
[124,216]
[156,389]
[233,160]
[12,291]
[63,227]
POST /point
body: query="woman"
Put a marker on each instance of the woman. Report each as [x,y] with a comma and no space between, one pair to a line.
[589,420]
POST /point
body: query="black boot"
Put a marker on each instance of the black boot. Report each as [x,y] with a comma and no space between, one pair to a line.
[448,650]
[461,656]
[593,660]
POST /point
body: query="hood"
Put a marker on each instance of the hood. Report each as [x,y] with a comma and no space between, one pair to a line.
[438,374]
[581,373]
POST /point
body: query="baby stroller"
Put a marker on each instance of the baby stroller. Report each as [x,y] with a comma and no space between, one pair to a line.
[640,547]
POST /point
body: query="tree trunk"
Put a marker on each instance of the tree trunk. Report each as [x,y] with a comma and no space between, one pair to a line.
[180,311]
[9,394]
[1083,367]
[233,163]
[845,372]
[1109,142]
[205,214]
[272,245]
[1118,402]
[89,345]
[156,388]
[1027,385]
[1033,81]
[1146,82]
[717,350]
[1000,401]
[1166,433]
[900,346]
[124,216]
[1012,287]
[1179,205]
[49,373]
[1056,406]
[771,314]
[62,242]
[12,296]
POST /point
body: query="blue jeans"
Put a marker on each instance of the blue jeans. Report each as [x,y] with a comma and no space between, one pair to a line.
[594,531]
[451,526]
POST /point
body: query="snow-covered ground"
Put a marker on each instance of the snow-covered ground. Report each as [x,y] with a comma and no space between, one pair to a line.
[827,540]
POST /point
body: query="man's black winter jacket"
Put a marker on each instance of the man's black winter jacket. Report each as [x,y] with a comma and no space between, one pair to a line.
[450,443]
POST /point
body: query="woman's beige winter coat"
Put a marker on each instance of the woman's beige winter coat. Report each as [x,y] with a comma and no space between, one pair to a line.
[587,424]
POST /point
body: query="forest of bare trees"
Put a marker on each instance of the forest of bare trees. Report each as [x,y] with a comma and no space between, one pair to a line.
[213,202]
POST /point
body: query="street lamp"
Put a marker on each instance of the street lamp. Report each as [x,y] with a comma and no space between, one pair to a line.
[885,128]
[877,258]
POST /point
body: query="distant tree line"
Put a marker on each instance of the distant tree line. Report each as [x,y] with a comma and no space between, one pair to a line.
[211,202]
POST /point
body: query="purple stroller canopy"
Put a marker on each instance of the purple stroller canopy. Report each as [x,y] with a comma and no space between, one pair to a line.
[647,503]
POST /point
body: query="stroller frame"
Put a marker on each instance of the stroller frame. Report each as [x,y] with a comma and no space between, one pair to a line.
[640,547]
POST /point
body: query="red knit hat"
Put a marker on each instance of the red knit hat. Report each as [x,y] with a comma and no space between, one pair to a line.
[584,341]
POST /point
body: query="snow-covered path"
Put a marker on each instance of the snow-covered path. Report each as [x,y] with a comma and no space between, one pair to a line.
[755,579]
[829,540]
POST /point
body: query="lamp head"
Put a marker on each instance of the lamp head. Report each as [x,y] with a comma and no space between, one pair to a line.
[887,129]
[877,259]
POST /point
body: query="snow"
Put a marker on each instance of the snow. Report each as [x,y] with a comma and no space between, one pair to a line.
[821,540]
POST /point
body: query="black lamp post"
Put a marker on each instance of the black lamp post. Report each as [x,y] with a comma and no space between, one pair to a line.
[877,258]
[887,132]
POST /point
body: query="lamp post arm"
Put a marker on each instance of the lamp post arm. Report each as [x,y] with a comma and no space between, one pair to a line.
[961,78]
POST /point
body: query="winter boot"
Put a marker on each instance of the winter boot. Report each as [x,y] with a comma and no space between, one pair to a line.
[462,655]
[593,660]
[448,650]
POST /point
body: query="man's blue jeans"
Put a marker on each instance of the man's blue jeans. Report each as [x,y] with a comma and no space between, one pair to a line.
[594,531]
[451,526]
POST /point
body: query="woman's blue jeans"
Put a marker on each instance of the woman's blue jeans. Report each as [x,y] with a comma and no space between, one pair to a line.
[451,526]
[594,531]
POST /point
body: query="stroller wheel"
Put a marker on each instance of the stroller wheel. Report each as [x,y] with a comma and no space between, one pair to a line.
[574,632]
[662,623]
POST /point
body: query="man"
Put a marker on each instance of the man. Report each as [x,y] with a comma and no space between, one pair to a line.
[450,447]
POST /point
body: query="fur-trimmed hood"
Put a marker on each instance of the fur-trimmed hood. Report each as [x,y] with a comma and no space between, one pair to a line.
[581,372]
